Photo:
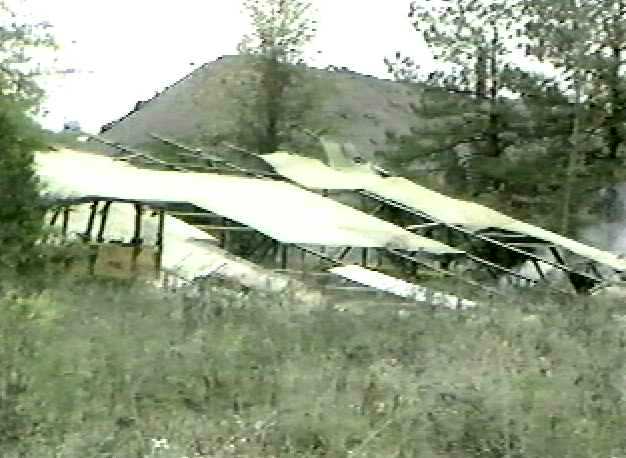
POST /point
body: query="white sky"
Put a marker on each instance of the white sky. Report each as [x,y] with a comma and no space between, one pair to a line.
[126,50]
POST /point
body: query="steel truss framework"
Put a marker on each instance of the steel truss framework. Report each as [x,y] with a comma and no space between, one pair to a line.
[223,229]
[94,235]
[582,282]
[416,259]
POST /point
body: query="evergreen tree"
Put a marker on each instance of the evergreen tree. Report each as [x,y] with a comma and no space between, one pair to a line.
[20,211]
[476,42]
[585,41]
[497,133]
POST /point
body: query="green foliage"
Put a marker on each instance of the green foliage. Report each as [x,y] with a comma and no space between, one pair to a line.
[90,369]
[17,69]
[20,212]
[529,154]
[276,97]
[469,125]
[585,42]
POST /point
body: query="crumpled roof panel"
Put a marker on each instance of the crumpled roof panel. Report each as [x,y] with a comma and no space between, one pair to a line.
[314,174]
[280,210]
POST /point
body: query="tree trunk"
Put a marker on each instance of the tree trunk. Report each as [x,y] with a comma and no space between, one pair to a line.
[571,163]
[492,130]
[481,74]
[616,114]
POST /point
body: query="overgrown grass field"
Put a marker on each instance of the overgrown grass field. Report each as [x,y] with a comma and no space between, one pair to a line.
[95,369]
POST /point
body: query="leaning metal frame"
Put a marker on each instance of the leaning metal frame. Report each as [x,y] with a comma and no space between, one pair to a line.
[134,154]
[589,280]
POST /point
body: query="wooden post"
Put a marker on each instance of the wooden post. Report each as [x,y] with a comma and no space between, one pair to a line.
[158,262]
[103,221]
[364,253]
[55,216]
[136,240]
[66,221]
[91,220]
[284,255]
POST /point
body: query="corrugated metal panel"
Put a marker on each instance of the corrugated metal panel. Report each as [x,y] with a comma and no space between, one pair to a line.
[314,174]
[401,288]
[280,210]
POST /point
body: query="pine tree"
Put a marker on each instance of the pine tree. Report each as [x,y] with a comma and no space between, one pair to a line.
[495,132]
[20,211]
[470,124]
[585,40]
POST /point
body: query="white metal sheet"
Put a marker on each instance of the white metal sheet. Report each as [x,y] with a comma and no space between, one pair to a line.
[400,287]
[314,174]
[280,210]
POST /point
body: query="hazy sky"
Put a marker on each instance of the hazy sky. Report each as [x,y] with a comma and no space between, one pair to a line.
[126,50]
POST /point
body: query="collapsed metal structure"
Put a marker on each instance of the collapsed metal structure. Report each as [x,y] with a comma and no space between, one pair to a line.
[346,228]
[426,216]
[499,231]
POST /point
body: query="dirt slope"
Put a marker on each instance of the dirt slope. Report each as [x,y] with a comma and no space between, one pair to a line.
[361,107]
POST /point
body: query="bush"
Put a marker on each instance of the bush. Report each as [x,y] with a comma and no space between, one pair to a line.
[21,212]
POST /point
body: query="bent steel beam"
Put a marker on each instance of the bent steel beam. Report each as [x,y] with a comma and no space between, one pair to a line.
[559,265]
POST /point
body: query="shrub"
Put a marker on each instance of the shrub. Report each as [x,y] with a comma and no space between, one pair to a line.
[21,212]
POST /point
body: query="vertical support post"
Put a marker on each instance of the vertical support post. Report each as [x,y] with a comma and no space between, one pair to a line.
[136,240]
[103,221]
[55,216]
[91,220]
[158,262]
[364,253]
[284,255]
[223,234]
[66,221]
